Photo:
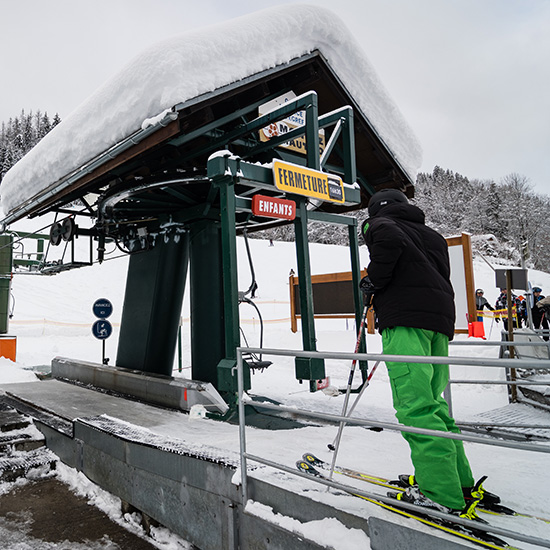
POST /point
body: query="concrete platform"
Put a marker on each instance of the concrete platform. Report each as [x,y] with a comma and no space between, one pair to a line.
[69,402]
[181,472]
[147,457]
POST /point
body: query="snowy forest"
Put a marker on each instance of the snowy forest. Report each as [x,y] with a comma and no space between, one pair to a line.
[20,134]
[507,219]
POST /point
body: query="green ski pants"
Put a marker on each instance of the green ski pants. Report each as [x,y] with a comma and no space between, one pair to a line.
[441,468]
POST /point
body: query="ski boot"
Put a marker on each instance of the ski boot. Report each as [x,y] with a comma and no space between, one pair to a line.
[487,501]
[404,481]
[413,495]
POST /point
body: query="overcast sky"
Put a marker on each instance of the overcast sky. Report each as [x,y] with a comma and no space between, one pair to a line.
[472,77]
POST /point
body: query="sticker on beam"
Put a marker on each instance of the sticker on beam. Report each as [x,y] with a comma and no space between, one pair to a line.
[297,119]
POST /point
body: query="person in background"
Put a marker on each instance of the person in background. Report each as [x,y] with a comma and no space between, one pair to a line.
[409,279]
[539,316]
[482,302]
[522,310]
[501,307]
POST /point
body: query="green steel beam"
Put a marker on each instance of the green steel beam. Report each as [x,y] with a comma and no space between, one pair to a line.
[306,368]
[180,195]
[348,142]
[335,219]
[331,143]
[218,123]
[206,299]
[307,101]
[248,173]
[312,135]
[229,265]
[226,371]
[151,313]
[260,177]
[40,250]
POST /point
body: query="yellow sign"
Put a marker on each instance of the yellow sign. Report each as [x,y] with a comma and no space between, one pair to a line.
[299,180]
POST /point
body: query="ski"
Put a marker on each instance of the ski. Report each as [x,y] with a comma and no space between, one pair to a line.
[496,509]
[472,535]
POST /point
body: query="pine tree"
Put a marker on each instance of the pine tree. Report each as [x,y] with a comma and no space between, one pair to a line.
[46,125]
[20,134]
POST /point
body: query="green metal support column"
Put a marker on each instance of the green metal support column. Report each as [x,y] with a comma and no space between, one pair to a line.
[6,265]
[227,374]
[306,368]
[152,307]
[312,135]
[348,142]
[206,293]
[229,262]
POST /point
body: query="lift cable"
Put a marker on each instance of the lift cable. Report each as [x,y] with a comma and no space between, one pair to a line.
[255,361]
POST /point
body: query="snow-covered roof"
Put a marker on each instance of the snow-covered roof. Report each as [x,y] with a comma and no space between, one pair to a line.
[197,62]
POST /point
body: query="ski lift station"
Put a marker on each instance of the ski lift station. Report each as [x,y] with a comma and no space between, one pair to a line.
[271,119]
[203,137]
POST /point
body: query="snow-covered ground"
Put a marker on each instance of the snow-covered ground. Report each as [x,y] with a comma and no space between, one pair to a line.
[53,317]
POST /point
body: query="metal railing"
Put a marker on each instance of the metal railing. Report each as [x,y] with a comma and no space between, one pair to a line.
[511,381]
[451,360]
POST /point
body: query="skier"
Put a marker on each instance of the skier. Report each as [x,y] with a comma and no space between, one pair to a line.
[408,275]
[501,306]
[539,315]
[481,302]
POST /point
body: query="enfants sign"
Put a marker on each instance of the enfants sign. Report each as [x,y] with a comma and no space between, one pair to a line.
[271,207]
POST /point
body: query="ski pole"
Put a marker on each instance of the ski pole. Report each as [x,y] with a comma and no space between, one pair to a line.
[348,389]
[332,446]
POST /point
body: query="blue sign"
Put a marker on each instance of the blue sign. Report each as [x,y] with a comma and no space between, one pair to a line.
[102,329]
[102,308]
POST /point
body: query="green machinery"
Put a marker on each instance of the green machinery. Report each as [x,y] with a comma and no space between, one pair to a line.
[6,264]
[29,260]
[175,197]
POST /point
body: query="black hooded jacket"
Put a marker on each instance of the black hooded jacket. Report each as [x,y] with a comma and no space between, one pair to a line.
[409,267]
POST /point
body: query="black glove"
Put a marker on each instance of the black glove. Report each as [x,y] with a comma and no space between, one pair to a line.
[367,288]
[497,319]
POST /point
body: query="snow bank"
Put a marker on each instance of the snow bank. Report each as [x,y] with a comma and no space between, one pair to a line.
[200,61]
[12,373]
[328,532]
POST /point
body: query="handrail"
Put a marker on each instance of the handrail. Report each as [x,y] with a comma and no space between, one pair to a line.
[506,343]
[466,361]
[544,364]
[402,428]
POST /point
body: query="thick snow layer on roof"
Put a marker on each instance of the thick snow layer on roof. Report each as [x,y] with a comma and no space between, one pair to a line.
[178,69]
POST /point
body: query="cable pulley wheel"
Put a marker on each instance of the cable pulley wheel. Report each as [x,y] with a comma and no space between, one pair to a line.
[56,234]
[68,229]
